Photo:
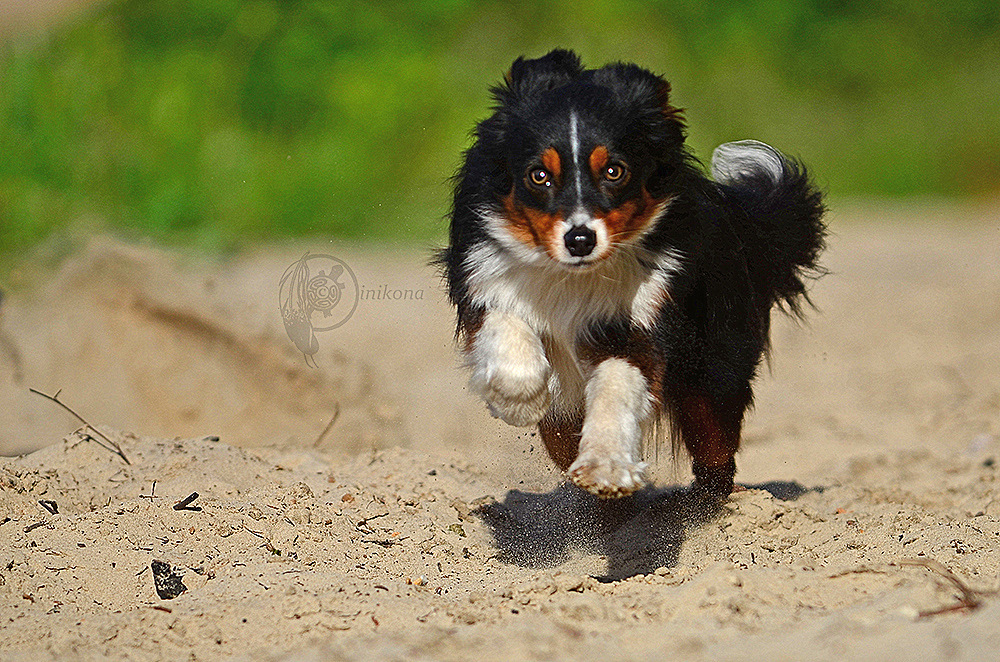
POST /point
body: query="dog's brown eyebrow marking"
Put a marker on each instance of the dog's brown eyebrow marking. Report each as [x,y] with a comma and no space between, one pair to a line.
[598,160]
[552,163]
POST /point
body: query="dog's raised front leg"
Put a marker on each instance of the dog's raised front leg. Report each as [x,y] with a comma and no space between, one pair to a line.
[509,368]
[618,405]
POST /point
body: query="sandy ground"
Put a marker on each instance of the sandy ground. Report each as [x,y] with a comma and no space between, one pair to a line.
[416,527]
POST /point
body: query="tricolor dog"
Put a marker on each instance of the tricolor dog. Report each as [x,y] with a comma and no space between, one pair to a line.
[604,281]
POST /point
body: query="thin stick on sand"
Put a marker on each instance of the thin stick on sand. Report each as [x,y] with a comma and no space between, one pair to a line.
[971,599]
[333,419]
[185,503]
[110,445]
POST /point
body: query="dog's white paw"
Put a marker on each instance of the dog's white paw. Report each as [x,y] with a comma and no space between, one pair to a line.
[607,477]
[510,370]
[515,392]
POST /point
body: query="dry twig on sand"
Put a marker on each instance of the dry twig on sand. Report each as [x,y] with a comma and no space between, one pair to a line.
[107,444]
[185,503]
[333,419]
[970,598]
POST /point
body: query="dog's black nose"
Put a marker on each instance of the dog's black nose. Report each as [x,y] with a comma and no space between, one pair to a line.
[580,241]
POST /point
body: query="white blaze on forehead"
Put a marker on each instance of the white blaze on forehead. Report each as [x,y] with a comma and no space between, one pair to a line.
[574,141]
[580,217]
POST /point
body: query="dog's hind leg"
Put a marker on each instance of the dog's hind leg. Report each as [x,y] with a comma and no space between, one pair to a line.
[561,435]
[710,428]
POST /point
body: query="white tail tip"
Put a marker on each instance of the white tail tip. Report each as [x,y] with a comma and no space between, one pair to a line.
[746,158]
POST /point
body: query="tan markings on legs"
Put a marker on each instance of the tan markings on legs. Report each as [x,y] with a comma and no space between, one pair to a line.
[712,439]
[561,435]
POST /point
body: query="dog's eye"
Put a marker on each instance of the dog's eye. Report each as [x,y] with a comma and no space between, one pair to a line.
[616,172]
[539,177]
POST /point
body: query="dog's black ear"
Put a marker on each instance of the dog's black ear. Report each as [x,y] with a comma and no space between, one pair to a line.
[529,77]
[644,101]
[641,89]
[645,96]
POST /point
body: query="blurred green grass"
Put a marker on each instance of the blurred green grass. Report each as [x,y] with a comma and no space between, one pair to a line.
[221,123]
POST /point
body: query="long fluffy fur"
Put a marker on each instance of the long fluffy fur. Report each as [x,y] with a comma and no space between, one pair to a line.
[681,288]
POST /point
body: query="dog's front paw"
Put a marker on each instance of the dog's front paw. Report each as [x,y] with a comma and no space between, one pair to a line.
[516,393]
[608,477]
[510,370]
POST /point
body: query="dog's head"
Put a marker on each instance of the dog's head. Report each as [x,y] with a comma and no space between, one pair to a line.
[582,161]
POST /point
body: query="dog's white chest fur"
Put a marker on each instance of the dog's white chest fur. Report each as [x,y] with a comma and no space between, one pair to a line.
[560,305]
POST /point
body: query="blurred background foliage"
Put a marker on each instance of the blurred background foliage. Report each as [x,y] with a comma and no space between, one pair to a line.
[220,123]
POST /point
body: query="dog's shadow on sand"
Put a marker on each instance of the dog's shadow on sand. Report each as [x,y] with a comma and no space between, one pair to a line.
[638,534]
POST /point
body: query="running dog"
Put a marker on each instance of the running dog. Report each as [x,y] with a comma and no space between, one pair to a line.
[603,281]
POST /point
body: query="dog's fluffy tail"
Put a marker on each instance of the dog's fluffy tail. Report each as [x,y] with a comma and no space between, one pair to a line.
[778,214]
